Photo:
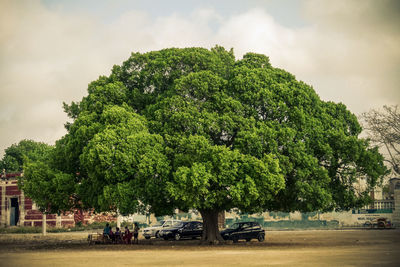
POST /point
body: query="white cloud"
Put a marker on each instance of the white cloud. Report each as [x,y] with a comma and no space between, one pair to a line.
[355,51]
[349,53]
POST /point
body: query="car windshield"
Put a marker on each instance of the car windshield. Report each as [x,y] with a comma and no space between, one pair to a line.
[177,224]
[235,226]
[160,223]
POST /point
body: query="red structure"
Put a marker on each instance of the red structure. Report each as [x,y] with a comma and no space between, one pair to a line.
[18,210]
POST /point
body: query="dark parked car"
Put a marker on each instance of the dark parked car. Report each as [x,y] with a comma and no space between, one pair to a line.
[182,230]
[244,230]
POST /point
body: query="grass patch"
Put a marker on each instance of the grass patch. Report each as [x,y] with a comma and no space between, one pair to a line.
[38,229]
[20,230]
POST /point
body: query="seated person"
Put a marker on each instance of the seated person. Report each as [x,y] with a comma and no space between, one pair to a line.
[117,235]
[136,233]
[107,233]
[112,235]
[127,235]
[107,230]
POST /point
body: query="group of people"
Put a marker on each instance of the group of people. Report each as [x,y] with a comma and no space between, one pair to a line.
[119,237]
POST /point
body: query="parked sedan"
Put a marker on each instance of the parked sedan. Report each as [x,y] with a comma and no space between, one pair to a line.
[244,230]
[183,230]
[154,231]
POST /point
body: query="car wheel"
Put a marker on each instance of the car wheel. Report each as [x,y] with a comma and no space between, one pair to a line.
[235,239]
[260,237]
[90,239]
[177,236]
[147,237]
[157,235]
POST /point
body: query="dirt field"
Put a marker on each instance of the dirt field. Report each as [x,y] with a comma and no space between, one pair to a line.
[281,248]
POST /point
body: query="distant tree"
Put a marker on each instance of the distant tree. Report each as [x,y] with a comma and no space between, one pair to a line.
[15,155]
[26,153]
[383,128]
[52,190]
[196,129]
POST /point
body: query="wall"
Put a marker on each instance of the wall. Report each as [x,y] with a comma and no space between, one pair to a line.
[396,211]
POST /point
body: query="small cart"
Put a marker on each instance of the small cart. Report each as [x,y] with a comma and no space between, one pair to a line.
[98,238]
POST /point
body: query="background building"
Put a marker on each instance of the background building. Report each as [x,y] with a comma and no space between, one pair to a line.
[16,209]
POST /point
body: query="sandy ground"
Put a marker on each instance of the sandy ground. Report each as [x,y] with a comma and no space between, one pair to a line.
[281,248]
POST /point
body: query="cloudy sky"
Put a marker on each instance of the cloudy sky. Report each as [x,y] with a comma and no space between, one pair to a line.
[349,51]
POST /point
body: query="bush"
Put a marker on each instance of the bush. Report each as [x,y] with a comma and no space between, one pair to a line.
[20,230]
[78,227]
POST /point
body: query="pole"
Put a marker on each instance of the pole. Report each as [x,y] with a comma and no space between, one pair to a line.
[118,220]
[44,224]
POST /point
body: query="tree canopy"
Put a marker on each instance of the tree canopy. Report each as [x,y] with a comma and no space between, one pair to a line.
[16,154]
[197,129]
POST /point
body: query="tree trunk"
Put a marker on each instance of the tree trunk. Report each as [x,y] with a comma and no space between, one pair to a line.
[211,233]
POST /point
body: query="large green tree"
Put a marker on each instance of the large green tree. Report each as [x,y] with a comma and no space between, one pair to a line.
[196,129]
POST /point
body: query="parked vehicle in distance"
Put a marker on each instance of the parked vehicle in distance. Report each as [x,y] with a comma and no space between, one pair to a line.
[153,231]
[244,230]
[380,223]
[183,230]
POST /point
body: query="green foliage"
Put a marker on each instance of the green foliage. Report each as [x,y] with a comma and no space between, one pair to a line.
[195,128]
[26,150]
[20,230]
[213,177]
[52,190]
[35,229]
